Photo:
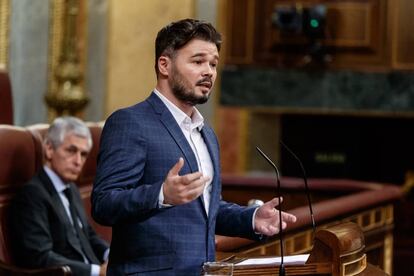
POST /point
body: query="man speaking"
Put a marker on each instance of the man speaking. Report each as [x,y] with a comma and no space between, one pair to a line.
[158,180]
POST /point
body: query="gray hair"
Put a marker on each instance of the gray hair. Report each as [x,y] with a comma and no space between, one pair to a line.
[62,126]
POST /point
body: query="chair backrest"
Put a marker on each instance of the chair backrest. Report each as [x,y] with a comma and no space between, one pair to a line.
[6,103]
[18,161]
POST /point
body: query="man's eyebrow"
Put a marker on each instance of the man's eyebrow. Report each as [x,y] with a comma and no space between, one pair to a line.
[71,146]
[203,55]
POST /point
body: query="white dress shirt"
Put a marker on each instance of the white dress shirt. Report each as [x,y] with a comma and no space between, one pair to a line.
[191,128]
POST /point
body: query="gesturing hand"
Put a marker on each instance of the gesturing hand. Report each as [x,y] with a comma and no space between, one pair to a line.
[181,189]
[266,221]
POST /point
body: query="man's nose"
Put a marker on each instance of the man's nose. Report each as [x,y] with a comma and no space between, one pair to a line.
[208,70]
[78,158]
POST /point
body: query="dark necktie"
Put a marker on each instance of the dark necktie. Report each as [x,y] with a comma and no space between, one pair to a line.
[86,246]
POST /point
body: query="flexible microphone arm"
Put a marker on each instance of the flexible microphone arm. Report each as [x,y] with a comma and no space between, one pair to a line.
[305,179]
[282,266]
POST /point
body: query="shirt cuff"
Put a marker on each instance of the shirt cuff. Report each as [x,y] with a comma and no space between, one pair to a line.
[95,270]
[253,218]
[106,255]
[161,199]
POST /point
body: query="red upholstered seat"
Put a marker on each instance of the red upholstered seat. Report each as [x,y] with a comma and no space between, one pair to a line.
[18,163]
[6,103]
[19,159]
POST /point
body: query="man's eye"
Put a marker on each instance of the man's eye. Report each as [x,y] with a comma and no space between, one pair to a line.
[71,150]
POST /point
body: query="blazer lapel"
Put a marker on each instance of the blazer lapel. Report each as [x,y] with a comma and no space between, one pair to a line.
[54,197]
[212,146]
[59,209]
[171,125]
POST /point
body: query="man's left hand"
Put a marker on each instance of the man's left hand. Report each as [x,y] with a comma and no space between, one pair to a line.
[267,221]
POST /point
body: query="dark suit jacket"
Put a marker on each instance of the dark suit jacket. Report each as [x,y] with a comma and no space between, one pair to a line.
[42,234]
[139,145]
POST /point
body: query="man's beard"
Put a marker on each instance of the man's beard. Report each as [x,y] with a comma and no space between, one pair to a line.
[182,91]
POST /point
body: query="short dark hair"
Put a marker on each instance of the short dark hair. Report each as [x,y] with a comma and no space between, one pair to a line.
[177,34]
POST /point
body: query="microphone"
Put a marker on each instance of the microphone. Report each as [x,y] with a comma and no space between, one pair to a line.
[282,266]
[305,179]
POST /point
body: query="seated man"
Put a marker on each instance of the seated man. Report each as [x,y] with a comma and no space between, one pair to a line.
[49,226]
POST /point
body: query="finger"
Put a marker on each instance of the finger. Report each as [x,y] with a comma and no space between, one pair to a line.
[274,202]
[191,177]
[176,168]
[273,230]
[195,189]
[269,208]
[199,183]
[287,217]
[194,193]
[268,230]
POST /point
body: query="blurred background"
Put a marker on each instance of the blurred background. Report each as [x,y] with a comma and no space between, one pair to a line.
[332,79]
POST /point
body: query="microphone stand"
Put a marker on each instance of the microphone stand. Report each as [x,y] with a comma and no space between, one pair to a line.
[282,265]
[305,179]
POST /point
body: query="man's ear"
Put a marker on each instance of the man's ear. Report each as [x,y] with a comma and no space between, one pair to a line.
[164,64]
[48,148]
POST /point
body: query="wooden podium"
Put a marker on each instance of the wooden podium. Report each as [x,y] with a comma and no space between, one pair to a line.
[337,251]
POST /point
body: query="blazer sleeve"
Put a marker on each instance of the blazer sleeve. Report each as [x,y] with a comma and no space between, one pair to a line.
[236,221]
[32,241]
[118,194]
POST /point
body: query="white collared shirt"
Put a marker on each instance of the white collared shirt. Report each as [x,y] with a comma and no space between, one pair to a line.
[191,128]
[60,187]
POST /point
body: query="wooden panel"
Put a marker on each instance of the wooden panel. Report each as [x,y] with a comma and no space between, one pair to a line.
[403,36]
[238,35]
[350,24]
[356,32]
[232,130]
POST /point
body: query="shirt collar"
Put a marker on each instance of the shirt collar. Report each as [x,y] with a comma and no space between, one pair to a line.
[196,120]
[56,180]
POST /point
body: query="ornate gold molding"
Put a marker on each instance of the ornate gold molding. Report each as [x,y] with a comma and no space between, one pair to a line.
[66,94]
[4,32]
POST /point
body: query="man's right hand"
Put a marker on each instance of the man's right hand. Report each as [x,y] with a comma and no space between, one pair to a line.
[181,189]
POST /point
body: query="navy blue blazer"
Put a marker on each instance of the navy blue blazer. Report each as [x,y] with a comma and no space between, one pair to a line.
[139,145]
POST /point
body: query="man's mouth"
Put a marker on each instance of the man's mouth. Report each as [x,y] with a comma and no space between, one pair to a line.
[205,83]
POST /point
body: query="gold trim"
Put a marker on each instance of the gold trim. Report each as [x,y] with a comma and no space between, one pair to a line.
[4,32]
[388,253]
[55,40]
[360,263]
